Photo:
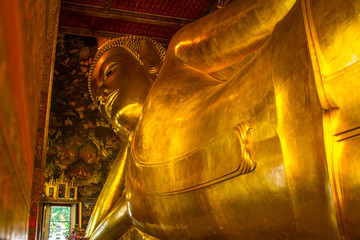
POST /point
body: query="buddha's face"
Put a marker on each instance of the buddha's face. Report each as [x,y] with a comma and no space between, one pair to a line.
[120,85]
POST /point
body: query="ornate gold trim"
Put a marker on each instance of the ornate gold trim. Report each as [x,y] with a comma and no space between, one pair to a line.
[52,189]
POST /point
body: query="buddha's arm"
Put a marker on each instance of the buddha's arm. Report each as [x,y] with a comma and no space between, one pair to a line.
[229,34]
[111,191]
[115,224]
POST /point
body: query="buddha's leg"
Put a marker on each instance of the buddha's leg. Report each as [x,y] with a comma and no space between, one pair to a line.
[115,224]
[111,192]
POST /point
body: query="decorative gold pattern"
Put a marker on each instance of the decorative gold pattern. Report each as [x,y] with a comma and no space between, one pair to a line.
[61,189]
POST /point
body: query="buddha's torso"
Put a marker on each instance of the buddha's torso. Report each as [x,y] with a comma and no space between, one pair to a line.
[199,142]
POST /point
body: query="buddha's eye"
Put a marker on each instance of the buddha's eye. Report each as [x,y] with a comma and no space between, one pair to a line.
[110,69]
[108,73]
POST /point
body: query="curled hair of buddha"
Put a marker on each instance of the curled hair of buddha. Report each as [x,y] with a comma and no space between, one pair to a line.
[129,43]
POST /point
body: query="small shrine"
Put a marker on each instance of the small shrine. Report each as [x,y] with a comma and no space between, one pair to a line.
[61,189]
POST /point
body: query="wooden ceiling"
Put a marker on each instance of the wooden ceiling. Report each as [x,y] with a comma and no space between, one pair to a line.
[158,19]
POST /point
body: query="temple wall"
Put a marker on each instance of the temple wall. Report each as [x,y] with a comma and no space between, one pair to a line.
[23,36]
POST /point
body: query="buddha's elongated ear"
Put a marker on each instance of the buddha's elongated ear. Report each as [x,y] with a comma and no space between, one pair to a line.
[150,56]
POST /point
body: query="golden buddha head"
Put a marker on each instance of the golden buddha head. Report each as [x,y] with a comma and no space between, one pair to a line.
[121,76]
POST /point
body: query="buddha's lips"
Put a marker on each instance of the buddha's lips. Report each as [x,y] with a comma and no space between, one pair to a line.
[110,101]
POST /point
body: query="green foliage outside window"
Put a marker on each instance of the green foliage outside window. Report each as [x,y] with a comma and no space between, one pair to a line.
[59,220]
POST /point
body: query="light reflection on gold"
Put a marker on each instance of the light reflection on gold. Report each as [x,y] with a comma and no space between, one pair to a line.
[186,43]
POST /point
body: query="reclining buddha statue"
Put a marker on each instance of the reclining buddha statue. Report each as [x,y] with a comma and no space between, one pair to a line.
[248,127]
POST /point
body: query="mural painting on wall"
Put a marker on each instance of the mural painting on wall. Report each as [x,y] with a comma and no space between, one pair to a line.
[86,211]
[81,142]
